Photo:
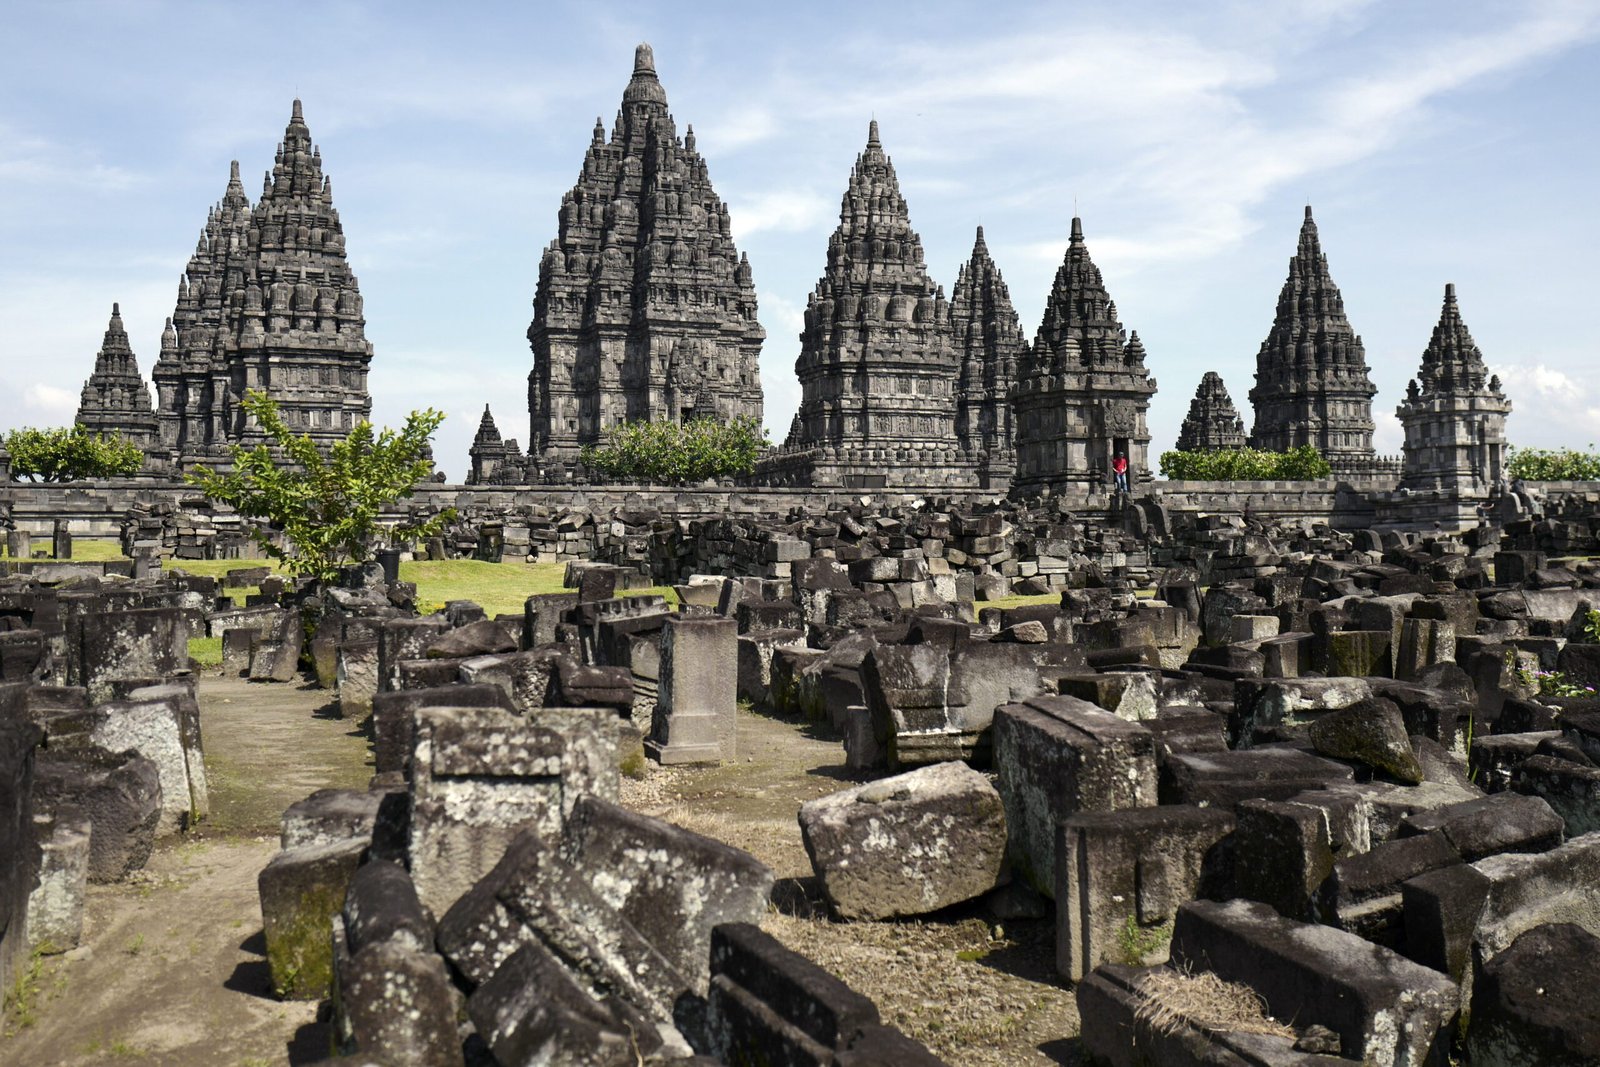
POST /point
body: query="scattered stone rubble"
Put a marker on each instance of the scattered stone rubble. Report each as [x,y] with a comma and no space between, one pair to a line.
[1329,771]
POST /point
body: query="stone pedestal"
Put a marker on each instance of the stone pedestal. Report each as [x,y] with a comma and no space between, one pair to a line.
[695,719]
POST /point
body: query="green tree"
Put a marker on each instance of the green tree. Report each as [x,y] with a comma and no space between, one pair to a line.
[1554,465]
[1299,464]
[67,454]
[676,453]
[325,505]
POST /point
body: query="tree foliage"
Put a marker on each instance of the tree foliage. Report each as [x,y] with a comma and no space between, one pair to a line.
[678,453]
[70,453]
[1300,464]
[1554,465]
[325,505]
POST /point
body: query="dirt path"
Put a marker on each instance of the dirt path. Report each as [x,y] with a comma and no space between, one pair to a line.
[977,991]
[171,969]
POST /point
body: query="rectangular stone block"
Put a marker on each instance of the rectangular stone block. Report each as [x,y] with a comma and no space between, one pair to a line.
[1056,756]
[696,710]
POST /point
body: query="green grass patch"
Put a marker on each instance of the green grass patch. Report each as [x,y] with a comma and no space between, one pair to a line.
[84,550]
[498,588]
[206,651]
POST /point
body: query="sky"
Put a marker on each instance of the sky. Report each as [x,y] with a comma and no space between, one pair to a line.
[1436,141]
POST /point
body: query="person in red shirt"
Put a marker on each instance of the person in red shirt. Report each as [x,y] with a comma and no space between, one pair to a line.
[1119,469]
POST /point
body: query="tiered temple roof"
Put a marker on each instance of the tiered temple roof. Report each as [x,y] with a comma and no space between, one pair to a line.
[115,398]
[487,456]
[1454,413]
[1312,385]
[1083,391]
[645,309]
[268,302]
[987,336]
[1213,422]
[877,371]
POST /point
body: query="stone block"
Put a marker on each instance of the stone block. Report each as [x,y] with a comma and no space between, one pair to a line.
[55,907]
[906,845]
[696,712]
[478,777]
[1571,789]
[1371,732]
[1386,1011]
[756,649]
[152,729]
[1126,694]
[238,647]
[120,792]
[1534,1002]
[533,1011]
[301,891]
[1223,779]
[1254,627]
[1056,756]
[1424,643]
[1120,877]
[132,643]
[1362,893]
[768,1004]
[1487,826]
[1263,705]
[1361,653]
[392,997]
[356,678]
[329,816]
[394,717]
[671,885]
[404,639]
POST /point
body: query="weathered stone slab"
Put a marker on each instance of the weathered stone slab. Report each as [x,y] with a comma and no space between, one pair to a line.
[55,907]
[329,816]
[1534,1002]
[1056,756]
[1385,1009]
[152,729]
[478,777]
[301,891]
[121,795]
[906,845]
[1120,877]
[696,713]
[1504,822]
[1571,790]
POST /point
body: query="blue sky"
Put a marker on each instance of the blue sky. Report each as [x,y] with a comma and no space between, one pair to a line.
[1437,142]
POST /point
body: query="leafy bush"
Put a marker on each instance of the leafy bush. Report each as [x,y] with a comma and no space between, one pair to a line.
[68,454]
[1299,464]
[326,506]
[678,452]
[1554,465]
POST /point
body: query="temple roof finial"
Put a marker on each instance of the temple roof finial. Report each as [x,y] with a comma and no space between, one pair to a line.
[1308,212]
[297,115]
[1449,292]
[872,133]
[1077,228]
[644,59]
[116,310]
[233,171]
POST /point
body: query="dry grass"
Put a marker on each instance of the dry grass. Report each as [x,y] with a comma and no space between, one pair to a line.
[1174,998]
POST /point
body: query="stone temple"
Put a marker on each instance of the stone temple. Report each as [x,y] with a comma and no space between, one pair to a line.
[1454,416]
[988,339]
[1213,423]
[493,460]
[878,373]
[1083,392]
[115,398]
[645,310]
[268,302]
[1312,386]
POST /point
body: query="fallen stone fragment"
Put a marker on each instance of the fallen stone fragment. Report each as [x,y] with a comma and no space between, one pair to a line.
[1373,732]
[906,845]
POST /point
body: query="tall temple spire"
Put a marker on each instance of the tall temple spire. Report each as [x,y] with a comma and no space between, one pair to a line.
[268,301]
[645,308]
[115,398]
[1312,385]
[1454,417]
[988,340]
[488,452]
[877,372]
[1083,390]
[1213,422]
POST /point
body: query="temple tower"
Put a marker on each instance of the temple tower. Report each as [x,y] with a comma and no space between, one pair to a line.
[487,456]
[645,310]
[877,371]
[1311,385]
[115,398]
[1213,423]
[988,340]
[1082,392]
[190,375]
[267,302]
[295,323]
[1454,414]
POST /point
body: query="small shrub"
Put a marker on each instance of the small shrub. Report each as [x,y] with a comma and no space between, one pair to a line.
[676,453]
[70,454]
[1135,942]
[1554,464]
[1299,464]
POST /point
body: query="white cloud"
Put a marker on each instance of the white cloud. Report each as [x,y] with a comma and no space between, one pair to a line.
[49,405]
[1550,408]
[1387,435]
[789,210]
